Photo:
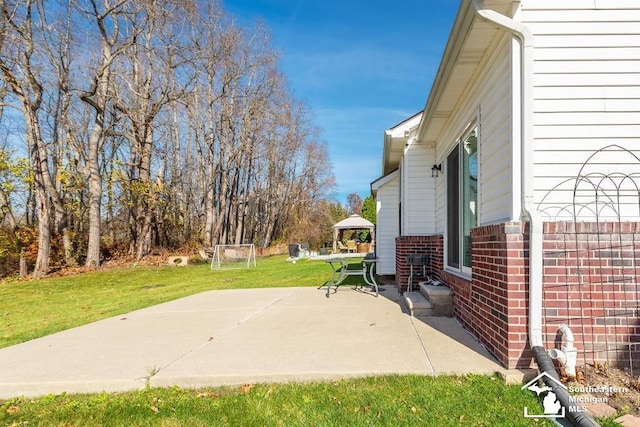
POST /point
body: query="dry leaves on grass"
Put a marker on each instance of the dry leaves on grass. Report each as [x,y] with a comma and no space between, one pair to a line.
[12,409]
[246,388]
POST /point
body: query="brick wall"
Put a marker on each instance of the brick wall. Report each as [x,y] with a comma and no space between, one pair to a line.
[591,275]
[492,306]
[417,245]
[496,311]
[590,283]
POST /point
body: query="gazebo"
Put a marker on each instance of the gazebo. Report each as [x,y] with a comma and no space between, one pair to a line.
[354,222]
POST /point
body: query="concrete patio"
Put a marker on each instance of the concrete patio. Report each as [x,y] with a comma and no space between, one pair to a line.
[243,336]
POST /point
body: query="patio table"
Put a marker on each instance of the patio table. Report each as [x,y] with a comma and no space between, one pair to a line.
[341,269]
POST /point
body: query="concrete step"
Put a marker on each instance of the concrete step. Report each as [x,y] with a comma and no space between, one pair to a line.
[436,291]
[417,304]
[441,297]
[437,304]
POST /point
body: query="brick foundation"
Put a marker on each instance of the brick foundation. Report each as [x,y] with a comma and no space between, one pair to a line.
[496,307]
[591,275]
[590,283]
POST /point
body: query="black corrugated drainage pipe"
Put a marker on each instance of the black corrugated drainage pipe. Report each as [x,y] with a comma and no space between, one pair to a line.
[545,364]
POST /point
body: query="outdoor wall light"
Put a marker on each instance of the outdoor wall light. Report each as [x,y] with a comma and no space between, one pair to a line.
[435,170]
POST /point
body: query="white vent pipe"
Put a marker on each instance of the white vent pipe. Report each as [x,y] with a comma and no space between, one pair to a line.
[568,356]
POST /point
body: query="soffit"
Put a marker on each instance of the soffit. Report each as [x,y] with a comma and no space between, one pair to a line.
[395,140]
[470,42]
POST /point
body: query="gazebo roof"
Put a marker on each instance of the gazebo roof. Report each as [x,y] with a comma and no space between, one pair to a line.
[353,222]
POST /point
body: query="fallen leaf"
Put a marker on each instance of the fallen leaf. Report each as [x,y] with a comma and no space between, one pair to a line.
[413,409]
[155,409]
[372,324]
[210,338]
[13,409]
[123,318]
[246,388]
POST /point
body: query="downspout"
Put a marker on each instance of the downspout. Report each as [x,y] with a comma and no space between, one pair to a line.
[525,38]
[544,362]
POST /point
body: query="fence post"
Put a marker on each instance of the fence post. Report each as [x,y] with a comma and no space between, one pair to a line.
[23,263]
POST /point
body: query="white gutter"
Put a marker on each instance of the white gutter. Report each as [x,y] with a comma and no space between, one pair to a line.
[525,38]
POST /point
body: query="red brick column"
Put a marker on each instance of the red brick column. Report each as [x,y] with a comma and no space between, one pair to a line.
[496,307]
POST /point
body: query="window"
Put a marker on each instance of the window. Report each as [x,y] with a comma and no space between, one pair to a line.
[462,200]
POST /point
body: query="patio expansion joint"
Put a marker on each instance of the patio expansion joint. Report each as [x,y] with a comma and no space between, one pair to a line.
[226,331]
[424,349]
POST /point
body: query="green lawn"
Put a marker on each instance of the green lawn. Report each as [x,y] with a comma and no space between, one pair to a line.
[409,400]
[34,308]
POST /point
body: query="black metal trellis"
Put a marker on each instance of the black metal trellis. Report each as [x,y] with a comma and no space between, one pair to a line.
[599,211]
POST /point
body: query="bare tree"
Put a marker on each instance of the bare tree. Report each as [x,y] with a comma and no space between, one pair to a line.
[354,203]
[56,47]
[143,91]
[106,17]
[22,69]
[174,126]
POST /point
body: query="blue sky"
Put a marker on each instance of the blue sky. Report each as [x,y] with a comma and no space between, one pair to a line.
[360,66]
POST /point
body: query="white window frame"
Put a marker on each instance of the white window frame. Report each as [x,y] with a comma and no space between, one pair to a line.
[466,191]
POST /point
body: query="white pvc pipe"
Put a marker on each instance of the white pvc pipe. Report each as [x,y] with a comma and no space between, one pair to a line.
[569,352]
[568,356]
[558,355]
[567,336]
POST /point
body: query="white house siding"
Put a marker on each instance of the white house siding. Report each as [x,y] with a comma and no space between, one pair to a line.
[496,172]
[489,98]
[586,91]
[387,225]
[418,197]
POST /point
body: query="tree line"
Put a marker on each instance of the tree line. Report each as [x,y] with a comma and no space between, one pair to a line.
[129,125]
